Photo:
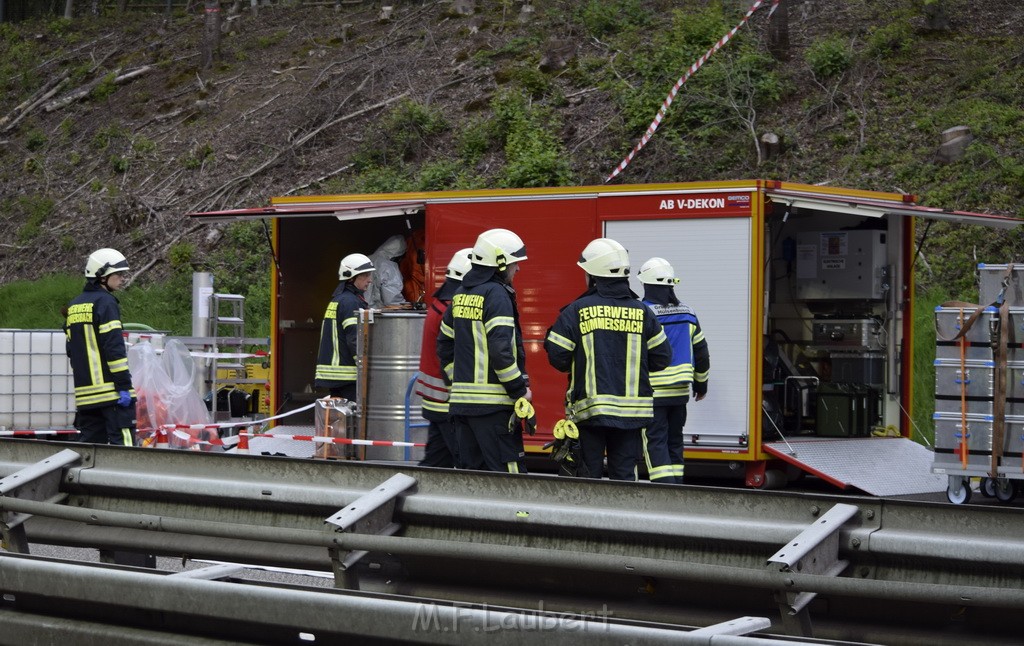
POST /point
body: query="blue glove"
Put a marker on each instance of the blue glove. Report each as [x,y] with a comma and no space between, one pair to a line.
[124,399]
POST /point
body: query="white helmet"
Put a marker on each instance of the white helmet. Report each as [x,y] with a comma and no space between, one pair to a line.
[498,248]
[459,264]
[657,271]
[104,262]
[605,257]
[354,264]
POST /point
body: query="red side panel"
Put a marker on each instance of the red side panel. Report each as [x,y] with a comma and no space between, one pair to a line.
[555,232]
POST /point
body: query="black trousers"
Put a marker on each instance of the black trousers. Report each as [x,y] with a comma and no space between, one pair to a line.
[107,425]
[622,445]
[486,445]
[442,445]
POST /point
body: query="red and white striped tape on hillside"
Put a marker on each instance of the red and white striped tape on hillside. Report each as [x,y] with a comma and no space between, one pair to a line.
[683,79]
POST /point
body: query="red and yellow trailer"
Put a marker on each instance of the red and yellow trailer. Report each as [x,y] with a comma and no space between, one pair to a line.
[804,294]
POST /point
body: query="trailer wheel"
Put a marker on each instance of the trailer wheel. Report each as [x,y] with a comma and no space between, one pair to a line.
[988,487]
[1006,489]
[774,479]
[959,490]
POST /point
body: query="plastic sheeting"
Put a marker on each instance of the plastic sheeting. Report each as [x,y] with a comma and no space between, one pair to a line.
[164,389]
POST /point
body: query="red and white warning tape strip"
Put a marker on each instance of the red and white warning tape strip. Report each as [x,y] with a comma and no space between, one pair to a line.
[683,79]
[331,440]
[28,433]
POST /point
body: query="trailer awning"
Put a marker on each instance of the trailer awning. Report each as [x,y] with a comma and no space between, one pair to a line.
[879,208]
[344,211]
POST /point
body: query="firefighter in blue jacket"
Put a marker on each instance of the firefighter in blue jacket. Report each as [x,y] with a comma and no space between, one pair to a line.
[608,342]
[336,361]
[104,396]
[690,368]
[481,352]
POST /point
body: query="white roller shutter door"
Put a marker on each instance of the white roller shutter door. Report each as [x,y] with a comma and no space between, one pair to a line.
[712,258]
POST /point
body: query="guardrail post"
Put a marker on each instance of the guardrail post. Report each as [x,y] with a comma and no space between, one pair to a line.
[372,513]
[814,551]
[39,482]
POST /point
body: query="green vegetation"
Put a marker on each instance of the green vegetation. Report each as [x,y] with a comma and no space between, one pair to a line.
[33,210]
[923,400]
[829,57]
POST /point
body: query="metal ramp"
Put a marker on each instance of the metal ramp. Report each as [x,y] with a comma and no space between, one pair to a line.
[880,466]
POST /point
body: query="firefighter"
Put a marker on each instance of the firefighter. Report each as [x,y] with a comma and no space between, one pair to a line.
[690,368]
[442,447]
[336,361]
[481,352]
[104,396]
[608,342]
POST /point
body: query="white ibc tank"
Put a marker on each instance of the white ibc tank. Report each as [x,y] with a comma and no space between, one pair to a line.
[36,387]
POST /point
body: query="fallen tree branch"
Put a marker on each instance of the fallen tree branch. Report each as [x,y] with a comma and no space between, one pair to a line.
[164,247]
[43,95]
[232,183]
[85,90]
[320,179]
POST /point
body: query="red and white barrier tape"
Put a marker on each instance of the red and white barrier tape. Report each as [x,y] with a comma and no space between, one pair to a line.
[675,88]
[21,433]
[332,440]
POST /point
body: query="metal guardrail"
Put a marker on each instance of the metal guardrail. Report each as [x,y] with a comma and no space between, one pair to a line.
[681,555]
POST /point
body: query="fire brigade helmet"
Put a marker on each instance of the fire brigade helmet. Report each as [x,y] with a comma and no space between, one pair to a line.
[459,264]
[657,271]
[606,258]
[354,264]
[498,248]
[104,262]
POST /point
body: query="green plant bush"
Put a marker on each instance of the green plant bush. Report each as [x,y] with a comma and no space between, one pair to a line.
[829,57]
[35,209]
[603,17]
[35,139]
[404,134]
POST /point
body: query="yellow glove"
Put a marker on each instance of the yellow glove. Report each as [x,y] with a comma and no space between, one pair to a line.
[523,417]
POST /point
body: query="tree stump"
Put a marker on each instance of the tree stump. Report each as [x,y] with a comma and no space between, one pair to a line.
[953,144]
[772,146]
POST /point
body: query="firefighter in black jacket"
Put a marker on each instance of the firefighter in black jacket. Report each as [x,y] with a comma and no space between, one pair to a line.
[104,395]
[481,352]
[609,343]
[336,361]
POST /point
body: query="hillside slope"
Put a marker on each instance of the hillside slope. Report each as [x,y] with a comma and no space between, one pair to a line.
[313,100]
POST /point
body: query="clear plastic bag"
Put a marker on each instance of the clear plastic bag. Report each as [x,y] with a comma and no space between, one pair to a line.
[165,391]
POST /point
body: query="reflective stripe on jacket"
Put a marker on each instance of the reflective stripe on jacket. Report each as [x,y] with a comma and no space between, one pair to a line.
[691,363]
[608,344]
[481,348]
[95,347]
[430,383]
[336,360]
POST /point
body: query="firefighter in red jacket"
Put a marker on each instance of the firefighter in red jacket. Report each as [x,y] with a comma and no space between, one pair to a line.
[609,343]
[442,447]
[481,352]
[336,360]
[104,395]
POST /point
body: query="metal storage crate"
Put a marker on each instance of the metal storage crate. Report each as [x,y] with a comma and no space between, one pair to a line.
[991,282]
[975,376]
[948,430]
[949,321]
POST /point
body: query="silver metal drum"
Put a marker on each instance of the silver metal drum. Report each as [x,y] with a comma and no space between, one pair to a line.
[394,339]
